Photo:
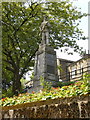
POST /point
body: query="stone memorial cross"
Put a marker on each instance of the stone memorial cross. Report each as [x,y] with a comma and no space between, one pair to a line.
[44,28]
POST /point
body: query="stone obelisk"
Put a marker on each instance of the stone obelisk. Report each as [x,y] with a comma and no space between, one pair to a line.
[45,59]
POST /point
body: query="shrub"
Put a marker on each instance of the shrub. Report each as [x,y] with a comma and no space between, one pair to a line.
[78,88]
[46,85]
[60,84]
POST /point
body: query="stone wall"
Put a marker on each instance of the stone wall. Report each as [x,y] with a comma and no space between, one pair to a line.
[72,107]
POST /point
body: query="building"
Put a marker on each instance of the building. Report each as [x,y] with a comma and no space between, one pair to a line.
[79,68]
[63,71]
[71,71]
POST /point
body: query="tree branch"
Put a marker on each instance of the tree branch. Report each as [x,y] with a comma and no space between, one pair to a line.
[10,69]
[8,54]
[27,62]
[26,19]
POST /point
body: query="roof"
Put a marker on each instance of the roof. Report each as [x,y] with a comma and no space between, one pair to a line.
[65,60]
[86,56]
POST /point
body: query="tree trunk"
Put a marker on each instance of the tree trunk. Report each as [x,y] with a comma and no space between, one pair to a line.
[16,88]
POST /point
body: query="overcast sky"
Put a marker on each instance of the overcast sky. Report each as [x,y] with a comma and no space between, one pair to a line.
[83,4]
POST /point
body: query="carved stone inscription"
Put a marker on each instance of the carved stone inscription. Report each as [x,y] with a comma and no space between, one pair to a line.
[50,59]
[50,69]
[50,63]
[50,56]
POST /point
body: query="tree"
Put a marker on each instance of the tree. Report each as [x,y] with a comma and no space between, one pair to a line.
[21,34]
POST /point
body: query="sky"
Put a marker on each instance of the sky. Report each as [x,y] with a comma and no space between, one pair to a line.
[83,4]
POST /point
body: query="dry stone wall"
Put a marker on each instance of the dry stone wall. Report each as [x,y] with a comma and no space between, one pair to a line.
[72,107]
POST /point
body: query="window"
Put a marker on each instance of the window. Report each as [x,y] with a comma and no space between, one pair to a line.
[81,69]
[74,72]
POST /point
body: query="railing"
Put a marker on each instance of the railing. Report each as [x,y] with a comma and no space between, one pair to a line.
[76,74]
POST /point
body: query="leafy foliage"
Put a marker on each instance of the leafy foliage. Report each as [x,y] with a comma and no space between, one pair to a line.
[23,81]
[78,88]
[46,85]
[32,76]
[7,93]
[60,84]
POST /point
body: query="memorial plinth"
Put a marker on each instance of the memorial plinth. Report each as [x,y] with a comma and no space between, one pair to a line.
[45,66]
